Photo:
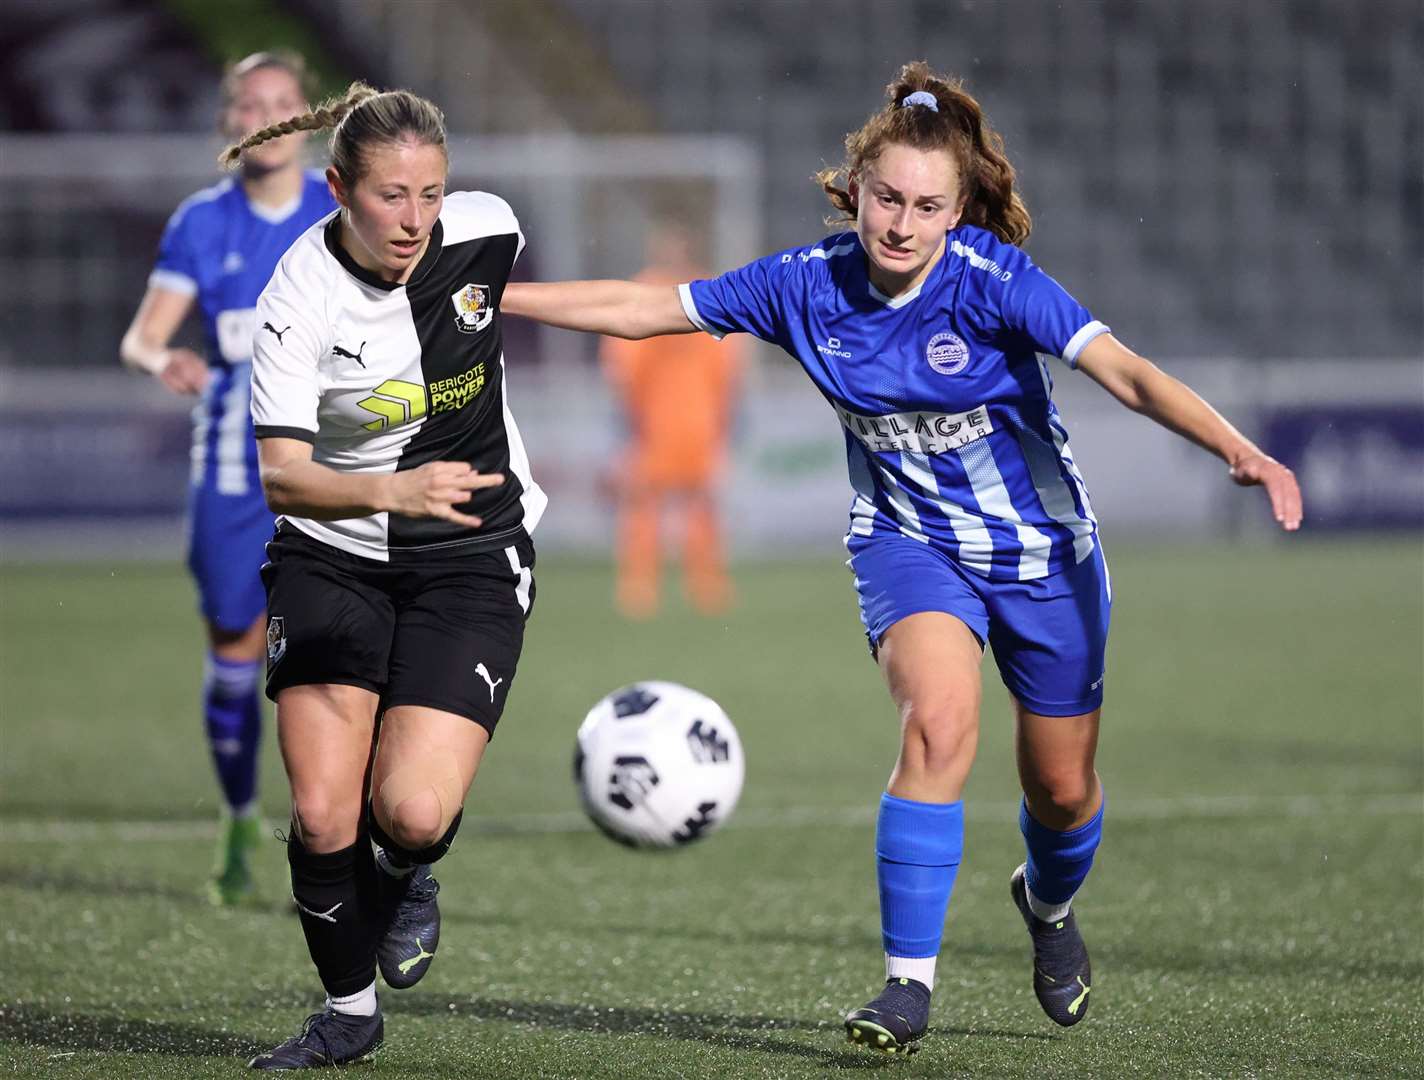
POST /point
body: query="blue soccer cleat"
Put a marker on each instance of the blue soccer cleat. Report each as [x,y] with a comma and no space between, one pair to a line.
[327,1039]
[412,931]
[895,1021]
[1062,977]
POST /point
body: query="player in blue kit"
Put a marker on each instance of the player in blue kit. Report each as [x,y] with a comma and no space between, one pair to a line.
[219,250]
[925,327]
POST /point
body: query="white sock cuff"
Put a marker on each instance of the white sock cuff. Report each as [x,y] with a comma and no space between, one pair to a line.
[231,678]
[1044,910]
[361,1003]
[919,968]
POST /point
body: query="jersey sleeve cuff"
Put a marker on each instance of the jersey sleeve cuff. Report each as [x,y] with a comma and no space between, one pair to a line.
[689,308]
[271,431]
[172,281]
[1080,339]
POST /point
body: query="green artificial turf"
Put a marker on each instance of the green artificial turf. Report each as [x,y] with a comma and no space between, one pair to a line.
[1256,908]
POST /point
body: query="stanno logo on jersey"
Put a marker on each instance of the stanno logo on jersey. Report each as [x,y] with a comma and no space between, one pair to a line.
[233,262]
[472,308]
[917,432]
[337,350]
[947,353]
[832,347]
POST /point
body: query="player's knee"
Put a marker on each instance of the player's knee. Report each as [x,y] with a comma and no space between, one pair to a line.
[323,821]
[941,735]
[416,803]
[1059,796]
[417,821]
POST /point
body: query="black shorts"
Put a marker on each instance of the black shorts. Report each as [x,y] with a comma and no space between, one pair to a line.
[445,633]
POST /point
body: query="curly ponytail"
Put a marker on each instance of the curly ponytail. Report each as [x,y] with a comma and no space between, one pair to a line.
[938,115]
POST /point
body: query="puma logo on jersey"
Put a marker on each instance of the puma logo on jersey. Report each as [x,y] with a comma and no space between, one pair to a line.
[278,333]
[483,672]
[337,350]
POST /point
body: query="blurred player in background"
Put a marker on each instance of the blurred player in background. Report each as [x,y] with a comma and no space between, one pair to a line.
[971,524]
[219,250]
[401,573]
[677,394]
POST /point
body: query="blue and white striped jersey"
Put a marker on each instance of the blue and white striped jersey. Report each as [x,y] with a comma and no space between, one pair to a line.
[951,433]
[221,249]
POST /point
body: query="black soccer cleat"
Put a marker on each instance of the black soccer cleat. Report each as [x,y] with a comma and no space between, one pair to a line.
[1062,976]
[413,931]
[327,1039]
[895,1021]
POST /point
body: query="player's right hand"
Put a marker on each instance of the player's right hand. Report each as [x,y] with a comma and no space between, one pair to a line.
[435,489]
[185,372]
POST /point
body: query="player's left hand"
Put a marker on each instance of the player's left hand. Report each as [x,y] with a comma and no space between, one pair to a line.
[1280,485]
[184,372]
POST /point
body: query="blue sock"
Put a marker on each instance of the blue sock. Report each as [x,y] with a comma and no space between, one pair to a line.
[233,716]
[917,851]
[1058,862]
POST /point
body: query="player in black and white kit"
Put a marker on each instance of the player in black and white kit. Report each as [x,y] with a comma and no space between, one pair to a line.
[399,579]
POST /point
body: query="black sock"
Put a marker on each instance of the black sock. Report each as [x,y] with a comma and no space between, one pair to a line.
[402,858]
[330,898]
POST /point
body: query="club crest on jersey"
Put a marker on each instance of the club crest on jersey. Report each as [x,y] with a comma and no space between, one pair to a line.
[473,310]
[276,638]
[947,353]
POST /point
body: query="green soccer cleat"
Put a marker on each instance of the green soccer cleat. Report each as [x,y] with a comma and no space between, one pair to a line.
[895,1021]
[232,881]
[1062,976]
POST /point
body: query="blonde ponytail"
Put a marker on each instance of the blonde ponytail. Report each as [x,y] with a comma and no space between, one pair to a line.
[328,114]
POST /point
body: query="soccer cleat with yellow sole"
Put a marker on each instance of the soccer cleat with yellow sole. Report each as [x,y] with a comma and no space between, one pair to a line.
[1062,976]
[895,1021]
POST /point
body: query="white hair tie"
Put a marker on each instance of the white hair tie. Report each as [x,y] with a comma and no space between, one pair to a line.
[921,97]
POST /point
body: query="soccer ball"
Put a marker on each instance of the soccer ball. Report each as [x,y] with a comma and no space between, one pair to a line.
[658,765]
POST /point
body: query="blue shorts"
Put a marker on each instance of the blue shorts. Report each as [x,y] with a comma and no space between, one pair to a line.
[227,545]
[1049,636]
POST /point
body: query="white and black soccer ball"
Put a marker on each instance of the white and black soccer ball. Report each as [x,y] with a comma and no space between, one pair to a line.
[658,765]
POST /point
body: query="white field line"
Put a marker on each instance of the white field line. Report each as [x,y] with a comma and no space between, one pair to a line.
[1181,807]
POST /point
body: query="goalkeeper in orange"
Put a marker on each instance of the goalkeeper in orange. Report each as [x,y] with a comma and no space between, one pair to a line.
[677,394]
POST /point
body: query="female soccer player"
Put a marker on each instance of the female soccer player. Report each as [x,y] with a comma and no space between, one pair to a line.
[970,523]
[677,394]
[219,249]
[399,579]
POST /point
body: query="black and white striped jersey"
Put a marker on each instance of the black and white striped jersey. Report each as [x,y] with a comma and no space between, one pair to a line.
[379,376]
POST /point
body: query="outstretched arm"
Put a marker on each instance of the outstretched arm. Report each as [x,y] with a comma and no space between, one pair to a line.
[626,309]
[1143,387]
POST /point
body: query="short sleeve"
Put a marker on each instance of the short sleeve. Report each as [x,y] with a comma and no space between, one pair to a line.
[1041,309]
[177,266]
[750,299]
[508,219]
[287,346]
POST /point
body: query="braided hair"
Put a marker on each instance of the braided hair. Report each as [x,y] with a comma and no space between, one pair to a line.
[361,117]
